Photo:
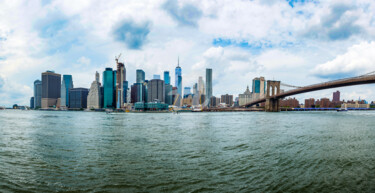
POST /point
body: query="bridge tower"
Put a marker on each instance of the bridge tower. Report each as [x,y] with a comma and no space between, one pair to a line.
[272,103]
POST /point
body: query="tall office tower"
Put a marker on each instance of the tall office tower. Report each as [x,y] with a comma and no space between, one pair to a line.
[37,94]
[195,94]
[156,91]
[259,88]
[138,91]
[67,84]
[201,88]
[109,79]
[178,78]
[156,76]
[167,78]
[168,94]
[208,86]
[187,91]
[140,76]
[51,89]
[336,96]
[125,91]
[32,106]
[179,87]
[94,96]
[120,79]
[78,98]
[195,89]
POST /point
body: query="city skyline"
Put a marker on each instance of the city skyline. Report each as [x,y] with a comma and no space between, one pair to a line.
[292,52]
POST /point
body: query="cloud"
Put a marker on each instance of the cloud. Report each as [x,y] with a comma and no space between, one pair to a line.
[359,59]
[132,34]
[186,14]
[2,82]
[339,23]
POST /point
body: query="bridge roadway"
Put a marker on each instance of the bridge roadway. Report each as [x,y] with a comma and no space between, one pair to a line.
[366,79]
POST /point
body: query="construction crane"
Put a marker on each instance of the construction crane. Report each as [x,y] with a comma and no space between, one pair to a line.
[117,58]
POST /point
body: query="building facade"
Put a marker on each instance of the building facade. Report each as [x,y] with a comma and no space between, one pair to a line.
[32,106]
[78,98]
[336,96]
[259,88]
[167,78]
[227,99]
[245,98]
[120,81]
[140,76]
[156,91]
[94,96]
[37,94]
[309,103]
[66,85]
[51,89]
[208,86]
[109,81]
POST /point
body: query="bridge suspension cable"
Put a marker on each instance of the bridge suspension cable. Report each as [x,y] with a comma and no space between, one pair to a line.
[288,85]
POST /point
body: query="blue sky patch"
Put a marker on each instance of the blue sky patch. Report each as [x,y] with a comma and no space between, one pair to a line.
[133,35]
[255,46]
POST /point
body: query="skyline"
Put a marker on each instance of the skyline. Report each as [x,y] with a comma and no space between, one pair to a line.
[236,43]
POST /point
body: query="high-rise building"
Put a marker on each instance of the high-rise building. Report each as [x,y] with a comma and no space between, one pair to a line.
[178,77]
[245,98]
[336,96]
[109,81]
[156,90]
[94,96]
[187,91]
[78,98]
[120,79]
[201,88]
[156,76]
[208,86]
[309,103]
[32,103]
[138,91]
[140,76]
[67,83]
[259,88]
[51,89]
[227,99]
[167,78]
[168,94]
[37,94]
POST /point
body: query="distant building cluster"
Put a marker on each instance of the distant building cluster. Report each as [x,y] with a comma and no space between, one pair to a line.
[258,92]
[56,91]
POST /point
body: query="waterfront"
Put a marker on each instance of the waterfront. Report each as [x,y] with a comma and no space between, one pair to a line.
[44,151]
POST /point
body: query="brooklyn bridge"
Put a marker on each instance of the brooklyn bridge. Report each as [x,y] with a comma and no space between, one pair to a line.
[273,94]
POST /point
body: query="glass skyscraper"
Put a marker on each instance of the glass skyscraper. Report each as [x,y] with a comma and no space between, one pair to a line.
[51,89]
[37,94]
[109,82]
[140,76]
[167,78]
[208,86]
[67,84]
[178,78]
[78,98]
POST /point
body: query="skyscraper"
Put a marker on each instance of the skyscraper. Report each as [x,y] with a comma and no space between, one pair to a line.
[94,96]
[108,88]
[208,86]
[168,94]
[51,89]
[156,76]
[178,77]
[187,91]
[67,84]
[120,79]
[140,76]
[78,98]
[336,96]
[37,94]
[201,88]
[259,88]
[32,103]
[156,90]
[167,78]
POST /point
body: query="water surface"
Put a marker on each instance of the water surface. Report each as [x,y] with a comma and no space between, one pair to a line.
[189,152]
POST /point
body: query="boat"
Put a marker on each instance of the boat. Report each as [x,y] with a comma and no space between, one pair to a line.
[342,109]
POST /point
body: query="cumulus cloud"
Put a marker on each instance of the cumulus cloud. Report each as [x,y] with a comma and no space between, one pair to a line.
[132,34]
[2,82]
[187,14]
[359,59]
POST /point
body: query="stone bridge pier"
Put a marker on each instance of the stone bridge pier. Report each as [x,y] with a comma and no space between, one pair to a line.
[272,103]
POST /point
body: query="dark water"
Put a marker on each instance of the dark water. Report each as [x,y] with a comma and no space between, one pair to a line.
[191,152]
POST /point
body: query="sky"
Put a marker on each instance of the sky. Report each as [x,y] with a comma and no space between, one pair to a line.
[298,42]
